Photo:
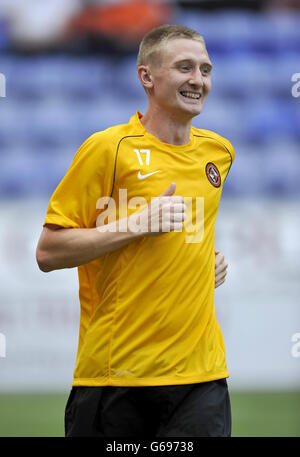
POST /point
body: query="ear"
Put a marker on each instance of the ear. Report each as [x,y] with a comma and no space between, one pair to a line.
[145,76]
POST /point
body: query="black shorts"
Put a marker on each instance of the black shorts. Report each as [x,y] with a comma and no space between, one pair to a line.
[189,410]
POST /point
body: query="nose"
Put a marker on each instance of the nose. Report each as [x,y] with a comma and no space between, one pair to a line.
[197,79]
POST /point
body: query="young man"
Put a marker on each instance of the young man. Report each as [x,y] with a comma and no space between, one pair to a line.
[135,213]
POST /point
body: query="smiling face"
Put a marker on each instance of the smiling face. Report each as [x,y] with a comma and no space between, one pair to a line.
[179,79]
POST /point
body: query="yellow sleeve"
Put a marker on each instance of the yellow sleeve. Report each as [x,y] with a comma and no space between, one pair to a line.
[230,148]
[90,176]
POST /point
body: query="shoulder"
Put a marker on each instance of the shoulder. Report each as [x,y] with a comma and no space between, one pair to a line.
[105,143]
[112,136]
[213,136]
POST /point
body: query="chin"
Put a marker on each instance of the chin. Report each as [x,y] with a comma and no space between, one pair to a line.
[193,111]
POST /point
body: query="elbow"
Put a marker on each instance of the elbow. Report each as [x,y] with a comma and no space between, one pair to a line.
[43,261]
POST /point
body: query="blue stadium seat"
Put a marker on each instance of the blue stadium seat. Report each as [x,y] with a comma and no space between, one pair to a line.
[55,102]
[268,119]
[126,84]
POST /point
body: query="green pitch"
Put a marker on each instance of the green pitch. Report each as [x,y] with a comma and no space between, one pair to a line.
[253,414]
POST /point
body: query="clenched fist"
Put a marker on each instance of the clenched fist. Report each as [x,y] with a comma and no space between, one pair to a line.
[165,213]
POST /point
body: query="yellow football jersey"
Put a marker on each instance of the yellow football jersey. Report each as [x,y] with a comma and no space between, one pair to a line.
[147,309]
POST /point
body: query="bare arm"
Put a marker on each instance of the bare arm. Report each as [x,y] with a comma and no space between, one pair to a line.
[70,247]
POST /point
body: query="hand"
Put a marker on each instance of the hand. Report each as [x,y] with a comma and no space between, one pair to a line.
[165,213]
[220,268]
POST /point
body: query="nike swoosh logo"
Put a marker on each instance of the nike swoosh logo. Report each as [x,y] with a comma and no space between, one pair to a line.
[140,176]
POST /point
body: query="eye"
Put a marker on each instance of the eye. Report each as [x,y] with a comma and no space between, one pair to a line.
[205,70]
[185,67]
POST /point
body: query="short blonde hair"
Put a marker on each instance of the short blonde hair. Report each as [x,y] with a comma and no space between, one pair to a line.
[153,41]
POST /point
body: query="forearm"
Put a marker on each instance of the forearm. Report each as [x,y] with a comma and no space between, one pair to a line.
[71,247]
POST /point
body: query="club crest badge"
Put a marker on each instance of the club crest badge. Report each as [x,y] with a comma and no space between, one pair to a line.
[213,174]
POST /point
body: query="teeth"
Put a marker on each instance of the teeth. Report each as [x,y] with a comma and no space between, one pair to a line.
[190,95]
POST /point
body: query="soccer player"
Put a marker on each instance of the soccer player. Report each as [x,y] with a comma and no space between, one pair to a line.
[136,213]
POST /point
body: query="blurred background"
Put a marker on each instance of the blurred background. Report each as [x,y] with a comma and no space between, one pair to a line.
[67,69]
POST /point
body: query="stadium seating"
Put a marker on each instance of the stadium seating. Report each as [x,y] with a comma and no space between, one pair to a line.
[54,102]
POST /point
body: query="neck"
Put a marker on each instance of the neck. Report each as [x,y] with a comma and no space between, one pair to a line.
[167,127]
